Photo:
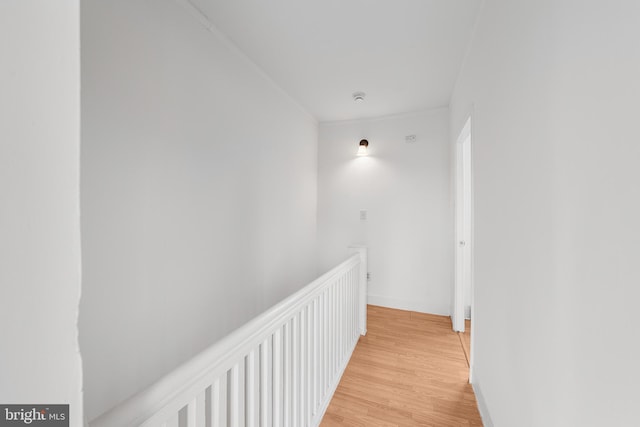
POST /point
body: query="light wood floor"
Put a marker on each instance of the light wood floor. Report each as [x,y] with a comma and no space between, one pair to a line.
[465,340]
[409,370]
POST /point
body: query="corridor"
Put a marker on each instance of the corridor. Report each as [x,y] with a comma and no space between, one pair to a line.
[409,370]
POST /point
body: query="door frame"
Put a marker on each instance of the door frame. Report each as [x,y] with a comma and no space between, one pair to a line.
[464,269]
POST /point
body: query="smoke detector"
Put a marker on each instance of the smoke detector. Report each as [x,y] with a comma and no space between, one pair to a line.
[359,96]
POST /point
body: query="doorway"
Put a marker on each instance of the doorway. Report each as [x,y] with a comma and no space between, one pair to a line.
[463,288]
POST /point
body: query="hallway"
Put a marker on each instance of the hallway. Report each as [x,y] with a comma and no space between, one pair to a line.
[410,369]
[174,169]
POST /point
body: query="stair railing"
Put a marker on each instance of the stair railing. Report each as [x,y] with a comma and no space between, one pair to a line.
[280,369]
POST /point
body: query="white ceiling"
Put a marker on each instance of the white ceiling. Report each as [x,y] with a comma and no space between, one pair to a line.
[404,54]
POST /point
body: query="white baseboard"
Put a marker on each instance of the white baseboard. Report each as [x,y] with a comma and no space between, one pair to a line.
[420,306]
[482,404]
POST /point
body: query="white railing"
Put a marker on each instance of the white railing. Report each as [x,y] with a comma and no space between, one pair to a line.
[280,369]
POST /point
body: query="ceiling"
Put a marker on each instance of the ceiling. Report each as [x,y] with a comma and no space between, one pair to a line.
[404,54]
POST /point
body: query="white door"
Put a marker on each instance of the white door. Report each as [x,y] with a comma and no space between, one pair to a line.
[463,234]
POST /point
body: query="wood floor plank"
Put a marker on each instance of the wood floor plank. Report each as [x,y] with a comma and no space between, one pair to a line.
[465,340]
[409,370]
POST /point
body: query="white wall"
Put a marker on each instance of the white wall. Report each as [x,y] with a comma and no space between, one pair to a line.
[198,193]
[553,90]
[405,190]
[40,214]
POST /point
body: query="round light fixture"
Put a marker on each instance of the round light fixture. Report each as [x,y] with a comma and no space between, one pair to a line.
[359,96]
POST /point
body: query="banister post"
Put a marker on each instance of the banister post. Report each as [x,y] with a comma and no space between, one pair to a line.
[362,288]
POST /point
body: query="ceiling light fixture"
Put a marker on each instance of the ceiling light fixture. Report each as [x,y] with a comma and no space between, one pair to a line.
[359,96]
[362,147]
